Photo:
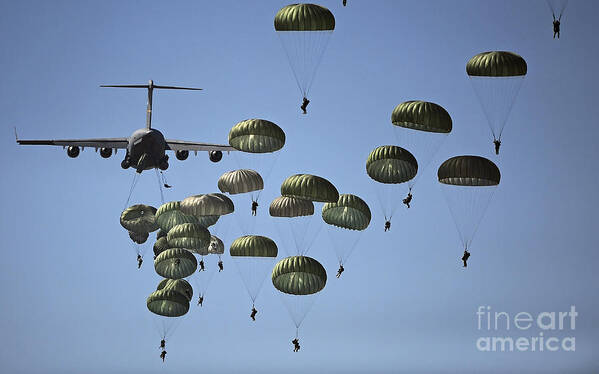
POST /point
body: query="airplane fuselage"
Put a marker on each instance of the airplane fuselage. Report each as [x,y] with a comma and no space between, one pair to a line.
[146,150]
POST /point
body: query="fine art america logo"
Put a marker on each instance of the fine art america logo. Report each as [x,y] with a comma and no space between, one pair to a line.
[545,331]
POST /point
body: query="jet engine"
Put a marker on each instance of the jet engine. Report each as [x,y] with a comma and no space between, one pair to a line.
[105,152]
[182,155]
[216,156]
[73,151]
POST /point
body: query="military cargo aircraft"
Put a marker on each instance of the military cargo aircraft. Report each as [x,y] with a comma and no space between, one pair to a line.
[145,148]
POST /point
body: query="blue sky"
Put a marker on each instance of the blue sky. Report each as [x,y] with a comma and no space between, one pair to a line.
[73,298]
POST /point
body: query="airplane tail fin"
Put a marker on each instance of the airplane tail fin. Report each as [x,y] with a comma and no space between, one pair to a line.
[150,87]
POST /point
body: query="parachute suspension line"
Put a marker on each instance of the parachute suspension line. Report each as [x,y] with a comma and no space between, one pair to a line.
[133,184]
[388,194]
[477,224]
[562,8]
[497,96]
[454,216]
[551,7]
[319,48]
[280,33]
[269,166]
[297,332]
[381,202]
[304,50]
[476,203]
[161,181]
[165,329]
[169,329]
[253,272]
[263,163]
[169,326]
[564,5]
[138,248]
[304,46]
[300,237]
[344,256]
[161,326]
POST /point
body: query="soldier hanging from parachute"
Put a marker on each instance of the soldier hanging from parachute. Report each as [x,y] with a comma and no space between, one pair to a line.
[557,7]
[304,30]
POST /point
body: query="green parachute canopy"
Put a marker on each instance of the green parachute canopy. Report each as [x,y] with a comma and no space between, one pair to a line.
[211,204]
[240,181]
[175,263]
[216,247]
[304,31]
[160,245]
[192,236]
[309,187]
[304,17]
[256,136]
[391,164]
[139,218]
[349,212]
[469,171]
[422,116]
[170,215]
[168,303]
[139,237]
[468,184]
[179,285]
[299,275]
[496,64]
[285,206]
[496,78]
[253,246]
[207,221]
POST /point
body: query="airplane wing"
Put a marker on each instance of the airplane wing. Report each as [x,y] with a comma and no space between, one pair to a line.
[182,145]
[91,143]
